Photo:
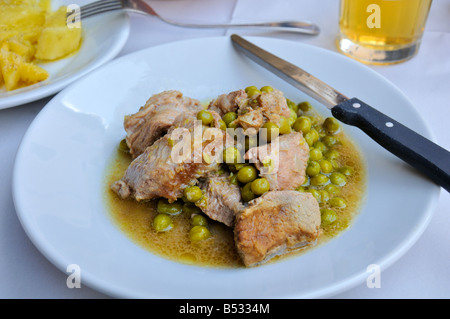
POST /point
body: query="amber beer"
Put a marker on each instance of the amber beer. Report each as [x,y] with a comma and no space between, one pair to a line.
[382,31]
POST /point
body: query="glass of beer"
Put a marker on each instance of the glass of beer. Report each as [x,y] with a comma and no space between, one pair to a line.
[382,31]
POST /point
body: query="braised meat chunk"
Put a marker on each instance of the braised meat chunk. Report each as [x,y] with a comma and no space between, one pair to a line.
[273,104]
[262,108]
[155,118]
[282,162]
[173,162]
[155,174]
[230,102]
[274,222]
[221,199]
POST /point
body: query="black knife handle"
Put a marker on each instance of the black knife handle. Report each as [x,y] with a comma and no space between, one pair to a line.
[429,158]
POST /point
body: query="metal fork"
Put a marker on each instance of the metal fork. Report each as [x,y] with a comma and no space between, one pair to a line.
[140,6]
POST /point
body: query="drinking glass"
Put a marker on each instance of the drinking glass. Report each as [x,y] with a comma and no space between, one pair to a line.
[382,31]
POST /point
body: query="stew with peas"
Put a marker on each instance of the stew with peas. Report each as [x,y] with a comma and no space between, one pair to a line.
[198,224]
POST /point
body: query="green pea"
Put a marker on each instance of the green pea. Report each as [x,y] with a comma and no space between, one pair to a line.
[331,125]
[199,220]
[205,116]
[330,140]
[229,117]
[324,196]
[314,121]
[285,127]
[292,117]
[328,216]
[320,146]
[266,89]
[321,131]
[300,189]
[331,154]
[198,233]
[319,180]
[252,91]
[338,202]
[302,124]
[222,125]
[325,166]
[315,193]
[335,164]
[338,179]
[315,154]
[123,146]
[270,131]
[247,174]
[311,137]
[233,179]
[347,170]
[234,124]
[207,158]
[332,189]
[259,186]
[313,168]
[305,106]
[293,107]
[192,193]
[290,103]
[164,207]
[231,155]
[162,223]
[246,192]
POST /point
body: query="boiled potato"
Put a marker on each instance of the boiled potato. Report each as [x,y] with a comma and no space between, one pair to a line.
[15,70]
[30,31]
[32,73]
[45,5]
[21,18]
[24,48]
[10,66]
[56,39]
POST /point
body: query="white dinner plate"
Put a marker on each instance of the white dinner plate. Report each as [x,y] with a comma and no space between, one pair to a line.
[103,38]
[60,168]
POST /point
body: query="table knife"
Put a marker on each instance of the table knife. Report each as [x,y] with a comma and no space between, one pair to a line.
[421,153]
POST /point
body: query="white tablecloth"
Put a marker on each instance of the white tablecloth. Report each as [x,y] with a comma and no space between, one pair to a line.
[423,272]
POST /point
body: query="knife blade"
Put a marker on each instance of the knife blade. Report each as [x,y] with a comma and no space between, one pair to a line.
[426,156]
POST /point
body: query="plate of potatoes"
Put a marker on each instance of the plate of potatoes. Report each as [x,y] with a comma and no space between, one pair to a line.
[43,47]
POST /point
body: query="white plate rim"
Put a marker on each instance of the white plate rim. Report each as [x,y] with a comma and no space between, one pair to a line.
[325,292]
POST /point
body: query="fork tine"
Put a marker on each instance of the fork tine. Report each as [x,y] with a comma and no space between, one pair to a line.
[100,3]
[100,7]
